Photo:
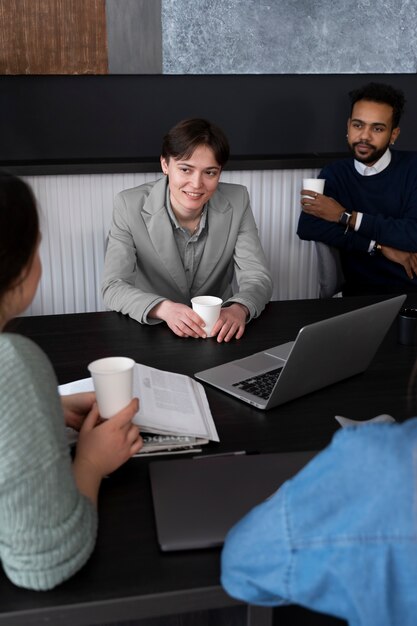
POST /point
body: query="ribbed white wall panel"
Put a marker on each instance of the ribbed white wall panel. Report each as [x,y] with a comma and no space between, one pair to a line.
[76,213]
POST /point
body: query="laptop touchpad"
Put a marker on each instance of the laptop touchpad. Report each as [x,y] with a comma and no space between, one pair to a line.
[259,362]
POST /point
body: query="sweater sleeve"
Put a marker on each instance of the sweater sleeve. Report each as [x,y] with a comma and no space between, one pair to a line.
[311,228]
[387,201]
[398,230]
[47,527]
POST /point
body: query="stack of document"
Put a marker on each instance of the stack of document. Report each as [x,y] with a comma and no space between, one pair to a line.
[174,414]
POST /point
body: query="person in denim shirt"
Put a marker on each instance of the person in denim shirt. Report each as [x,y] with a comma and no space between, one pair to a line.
[341,536]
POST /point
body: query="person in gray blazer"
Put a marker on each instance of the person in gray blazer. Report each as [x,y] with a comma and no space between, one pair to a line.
[186,235]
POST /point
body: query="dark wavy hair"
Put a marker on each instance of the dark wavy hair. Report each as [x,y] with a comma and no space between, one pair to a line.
[19,229]
[181,141]
[385,94]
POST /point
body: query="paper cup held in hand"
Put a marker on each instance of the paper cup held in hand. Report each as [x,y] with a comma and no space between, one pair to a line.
[313,184]
[208,308]
[113,383]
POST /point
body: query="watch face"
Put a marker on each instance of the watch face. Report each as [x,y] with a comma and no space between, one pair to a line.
[344,218]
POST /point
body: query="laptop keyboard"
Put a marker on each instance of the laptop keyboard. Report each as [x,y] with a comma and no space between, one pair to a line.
[260,385]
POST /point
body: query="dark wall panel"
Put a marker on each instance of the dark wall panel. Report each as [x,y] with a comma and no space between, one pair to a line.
[121,119]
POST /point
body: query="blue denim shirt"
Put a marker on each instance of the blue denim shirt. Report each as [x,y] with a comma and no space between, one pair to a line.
[341,536]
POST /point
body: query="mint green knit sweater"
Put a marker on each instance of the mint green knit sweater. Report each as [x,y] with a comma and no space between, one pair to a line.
[47,528]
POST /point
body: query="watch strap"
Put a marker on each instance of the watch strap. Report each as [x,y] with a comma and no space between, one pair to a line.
[344,218]
[377,249]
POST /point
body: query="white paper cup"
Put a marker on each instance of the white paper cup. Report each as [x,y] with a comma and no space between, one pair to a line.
[113,383]
[208,308]
[313,184]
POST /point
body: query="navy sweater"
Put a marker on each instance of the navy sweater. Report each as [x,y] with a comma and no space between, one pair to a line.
[388,202]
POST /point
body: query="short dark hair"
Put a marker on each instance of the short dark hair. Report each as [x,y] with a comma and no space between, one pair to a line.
[181,141]
[19,229]
[379,92]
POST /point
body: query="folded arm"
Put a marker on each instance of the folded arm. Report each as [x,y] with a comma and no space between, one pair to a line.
[393,225]
[396,236]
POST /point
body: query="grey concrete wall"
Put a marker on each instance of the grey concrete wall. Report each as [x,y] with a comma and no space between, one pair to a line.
[289,36]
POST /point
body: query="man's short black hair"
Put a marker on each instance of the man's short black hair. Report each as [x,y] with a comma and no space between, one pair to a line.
[379,92]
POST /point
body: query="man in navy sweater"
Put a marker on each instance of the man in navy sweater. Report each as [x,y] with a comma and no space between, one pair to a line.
[369,206]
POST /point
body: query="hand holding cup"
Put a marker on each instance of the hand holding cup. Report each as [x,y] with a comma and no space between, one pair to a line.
[314,186]
[113,383]
[208,308]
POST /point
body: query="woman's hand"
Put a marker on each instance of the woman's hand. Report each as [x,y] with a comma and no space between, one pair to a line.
[76,407]
[180,318]
[103,447]
[231,323]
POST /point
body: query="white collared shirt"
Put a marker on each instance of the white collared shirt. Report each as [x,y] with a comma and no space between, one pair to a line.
[190,245]
[377,167]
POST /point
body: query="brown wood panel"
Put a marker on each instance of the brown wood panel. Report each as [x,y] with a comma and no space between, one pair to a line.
[53,37]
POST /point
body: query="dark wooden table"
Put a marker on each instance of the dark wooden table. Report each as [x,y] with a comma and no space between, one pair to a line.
[127,576]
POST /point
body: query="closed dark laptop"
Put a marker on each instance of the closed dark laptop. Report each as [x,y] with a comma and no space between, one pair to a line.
[196,501]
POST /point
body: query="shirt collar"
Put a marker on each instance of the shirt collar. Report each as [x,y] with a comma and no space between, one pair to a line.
[376,168]
[170,211]
[174,220]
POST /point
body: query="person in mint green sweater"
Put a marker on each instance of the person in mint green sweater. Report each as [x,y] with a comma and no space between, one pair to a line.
[48,518]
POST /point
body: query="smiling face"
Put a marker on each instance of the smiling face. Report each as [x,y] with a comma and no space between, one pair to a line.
[370,130]
[192,181]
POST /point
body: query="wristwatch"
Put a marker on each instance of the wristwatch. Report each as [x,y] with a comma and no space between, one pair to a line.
[376,249]
[344,219]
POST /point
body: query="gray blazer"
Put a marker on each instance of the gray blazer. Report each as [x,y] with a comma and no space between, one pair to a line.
[143,266]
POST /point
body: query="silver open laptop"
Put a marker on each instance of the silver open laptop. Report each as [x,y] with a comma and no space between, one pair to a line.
[322,354]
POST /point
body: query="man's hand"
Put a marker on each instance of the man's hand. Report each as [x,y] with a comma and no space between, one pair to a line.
[321,206]
[407,259]
[180,318]
[184,322]
[231,323]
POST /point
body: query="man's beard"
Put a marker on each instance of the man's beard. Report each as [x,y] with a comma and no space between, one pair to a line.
[372,157]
